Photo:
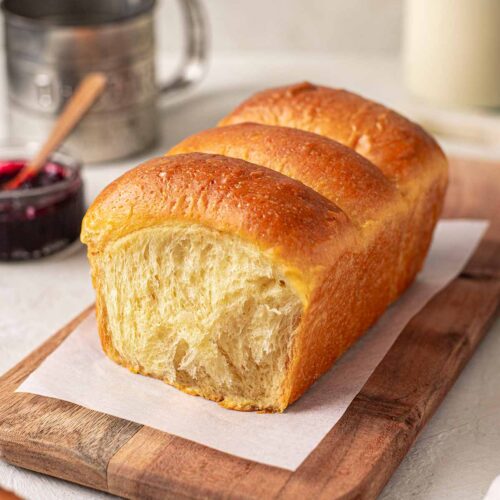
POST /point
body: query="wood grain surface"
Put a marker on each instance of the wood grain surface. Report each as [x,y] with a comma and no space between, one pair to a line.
[354,460]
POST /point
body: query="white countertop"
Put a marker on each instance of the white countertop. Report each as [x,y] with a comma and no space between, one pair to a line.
[457,454]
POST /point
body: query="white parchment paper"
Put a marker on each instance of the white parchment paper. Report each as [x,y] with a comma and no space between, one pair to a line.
[494,490]
[79,372]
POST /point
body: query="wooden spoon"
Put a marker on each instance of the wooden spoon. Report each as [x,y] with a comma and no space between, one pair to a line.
[87,92]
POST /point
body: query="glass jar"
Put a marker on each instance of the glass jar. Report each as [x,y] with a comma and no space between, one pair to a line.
[43,219]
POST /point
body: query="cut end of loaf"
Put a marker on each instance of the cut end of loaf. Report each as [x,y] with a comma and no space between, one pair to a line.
[204,311]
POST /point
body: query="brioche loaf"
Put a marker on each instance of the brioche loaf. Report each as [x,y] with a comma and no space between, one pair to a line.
[242,264]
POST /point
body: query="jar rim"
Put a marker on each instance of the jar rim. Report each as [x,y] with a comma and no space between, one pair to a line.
[59,156]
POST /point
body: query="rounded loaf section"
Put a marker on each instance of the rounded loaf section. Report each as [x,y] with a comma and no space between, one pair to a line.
[204,268]
[227,194]
[401,149]
[331,169]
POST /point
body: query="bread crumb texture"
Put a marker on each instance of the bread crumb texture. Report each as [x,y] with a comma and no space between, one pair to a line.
[202,310]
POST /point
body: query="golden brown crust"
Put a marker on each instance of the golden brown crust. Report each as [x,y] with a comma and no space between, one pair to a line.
[227,194]
[331,169]
[399,147]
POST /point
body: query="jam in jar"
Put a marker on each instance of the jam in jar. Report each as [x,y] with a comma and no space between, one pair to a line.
[44,214]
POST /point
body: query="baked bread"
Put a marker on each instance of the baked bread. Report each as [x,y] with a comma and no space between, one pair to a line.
[242,264]
[402,150]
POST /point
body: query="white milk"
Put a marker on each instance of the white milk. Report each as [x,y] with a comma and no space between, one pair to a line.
[451,51]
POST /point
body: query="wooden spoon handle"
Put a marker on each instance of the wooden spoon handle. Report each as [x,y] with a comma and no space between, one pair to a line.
[80,102]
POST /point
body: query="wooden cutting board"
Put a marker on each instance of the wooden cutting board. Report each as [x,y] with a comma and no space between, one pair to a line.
[354,460]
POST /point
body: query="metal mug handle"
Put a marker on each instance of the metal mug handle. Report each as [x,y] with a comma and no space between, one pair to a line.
[194,61]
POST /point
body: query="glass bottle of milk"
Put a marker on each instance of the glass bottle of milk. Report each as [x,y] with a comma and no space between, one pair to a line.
[451,51]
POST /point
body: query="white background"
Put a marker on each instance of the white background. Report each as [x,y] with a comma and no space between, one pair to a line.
[369,26]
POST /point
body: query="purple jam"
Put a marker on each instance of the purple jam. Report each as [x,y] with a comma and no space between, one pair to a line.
[48,175]
[43,215]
